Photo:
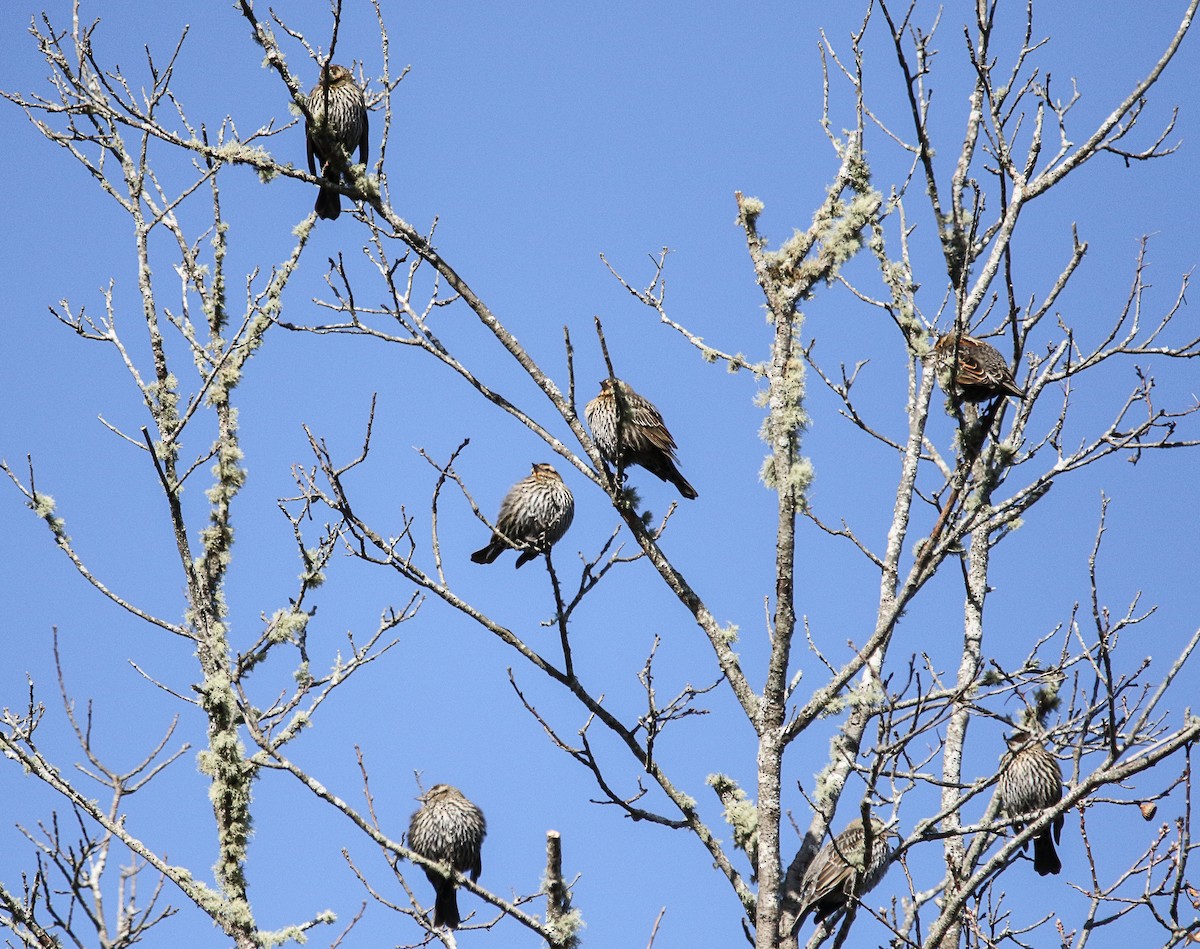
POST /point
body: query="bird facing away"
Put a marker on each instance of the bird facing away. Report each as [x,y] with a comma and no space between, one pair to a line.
[1031,780]
[533,516]
[449,829]
[846,868]
[345,125]
[642,435]
[972,370]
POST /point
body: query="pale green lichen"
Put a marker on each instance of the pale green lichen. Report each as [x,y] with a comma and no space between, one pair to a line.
[728,634]
[786,420]
[164,396]
[313,577]
[566,928]
[368,185]
[305,228]
[867,696]
[800,476]
[287,625]
[823,787]
[295,934]
[300,721]
[740,813]
[836,229]
[1046,700]
[232,775]
[239,152]
[1005,451]
[43,506]
[992,677]
[751,208]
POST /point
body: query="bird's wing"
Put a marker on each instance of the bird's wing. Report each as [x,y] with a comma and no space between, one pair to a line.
[833,876]
[311,149]
[970,371]
[362,139]
[649,421]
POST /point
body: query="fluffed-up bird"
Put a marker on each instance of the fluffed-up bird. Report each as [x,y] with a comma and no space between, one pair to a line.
[450,829]
[638,429]
[972,370]
[1030,781]
[533,517]
[846,868]
[343,124]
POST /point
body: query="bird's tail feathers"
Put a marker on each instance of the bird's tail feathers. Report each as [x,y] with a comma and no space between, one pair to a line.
[329,204]
[488,554]
[1045,857]
[445,907]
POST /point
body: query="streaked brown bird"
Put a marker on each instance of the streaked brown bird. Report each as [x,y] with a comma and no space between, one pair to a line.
[343,126]
[973,370]
[846,868]
[449,829]
[1030,781]
[533,517]
[642,435]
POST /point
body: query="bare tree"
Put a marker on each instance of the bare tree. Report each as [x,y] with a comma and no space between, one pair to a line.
[901,726]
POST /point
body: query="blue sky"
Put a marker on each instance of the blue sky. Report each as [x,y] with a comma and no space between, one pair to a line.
[540,139]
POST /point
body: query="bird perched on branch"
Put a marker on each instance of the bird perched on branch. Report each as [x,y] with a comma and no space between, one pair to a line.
[342,126]
[972,370]
[846,868]
[1030,781]
[533,516]
[450,829]
[640,433]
